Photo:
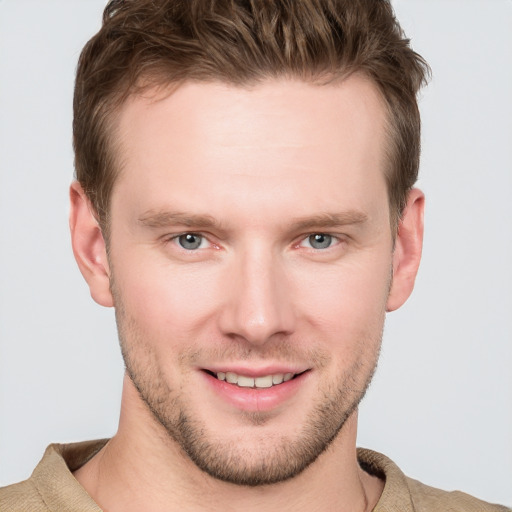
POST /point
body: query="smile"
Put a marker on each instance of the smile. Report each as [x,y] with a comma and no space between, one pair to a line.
[243,381]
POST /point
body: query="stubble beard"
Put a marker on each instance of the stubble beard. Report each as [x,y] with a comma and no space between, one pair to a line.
[278,458]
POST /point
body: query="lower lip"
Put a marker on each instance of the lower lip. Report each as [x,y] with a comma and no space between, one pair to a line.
[256,399]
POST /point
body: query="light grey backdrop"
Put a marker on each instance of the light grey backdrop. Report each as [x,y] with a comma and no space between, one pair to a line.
[441,403]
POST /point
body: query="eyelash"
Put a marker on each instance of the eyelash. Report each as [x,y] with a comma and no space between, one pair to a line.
[334,239]
[175,239]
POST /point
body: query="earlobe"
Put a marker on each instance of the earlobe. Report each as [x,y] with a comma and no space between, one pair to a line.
[407,253]
[89,246]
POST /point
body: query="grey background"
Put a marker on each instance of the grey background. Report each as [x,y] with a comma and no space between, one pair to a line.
[441,403]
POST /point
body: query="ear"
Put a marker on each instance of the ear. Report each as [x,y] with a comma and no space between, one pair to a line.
[407,253]
[89,246]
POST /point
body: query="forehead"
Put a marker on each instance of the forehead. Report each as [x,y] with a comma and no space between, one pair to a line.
[248,114]
[206,138]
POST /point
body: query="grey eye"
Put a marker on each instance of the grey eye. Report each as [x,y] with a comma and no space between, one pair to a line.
[190,241]
[320,241]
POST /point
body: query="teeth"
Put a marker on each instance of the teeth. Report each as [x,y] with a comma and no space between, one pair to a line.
[277,379]
[245,382]
[232,378]
[263,382]
[259,382]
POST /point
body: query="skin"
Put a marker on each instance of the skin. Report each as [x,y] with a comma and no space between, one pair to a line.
[254,173]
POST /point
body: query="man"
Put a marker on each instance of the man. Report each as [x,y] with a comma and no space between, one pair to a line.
[245,201]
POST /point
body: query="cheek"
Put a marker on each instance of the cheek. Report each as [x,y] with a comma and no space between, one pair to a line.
[163,298]
[349,300]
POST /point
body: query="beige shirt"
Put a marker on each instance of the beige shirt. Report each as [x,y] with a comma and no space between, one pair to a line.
[52,486]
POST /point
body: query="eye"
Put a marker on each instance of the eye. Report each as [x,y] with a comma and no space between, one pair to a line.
[319,241]
[191,241]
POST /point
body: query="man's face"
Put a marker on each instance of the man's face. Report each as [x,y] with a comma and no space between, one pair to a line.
[251,259]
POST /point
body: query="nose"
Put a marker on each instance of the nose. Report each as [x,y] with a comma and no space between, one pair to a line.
[258,303]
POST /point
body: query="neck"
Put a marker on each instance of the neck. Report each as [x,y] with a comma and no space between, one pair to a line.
[143,468]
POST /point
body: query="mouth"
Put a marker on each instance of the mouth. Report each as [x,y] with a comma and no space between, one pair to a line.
[262,382]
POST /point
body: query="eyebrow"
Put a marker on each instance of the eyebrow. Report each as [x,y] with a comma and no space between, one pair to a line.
[330,220]
[161,219]
[164,218]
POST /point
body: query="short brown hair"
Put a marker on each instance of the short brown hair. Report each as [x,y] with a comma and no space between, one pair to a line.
[144,43]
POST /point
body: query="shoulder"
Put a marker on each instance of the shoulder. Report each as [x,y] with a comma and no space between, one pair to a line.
[405,494]
[21,497]
[52,486]
[426,498]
